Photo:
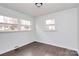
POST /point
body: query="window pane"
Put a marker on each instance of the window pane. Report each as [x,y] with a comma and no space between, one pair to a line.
[48,22]
[52,27]
[10,20]
[7,19]
[25,28]
[28,23]
[1,19]
[14,21]
[25,22]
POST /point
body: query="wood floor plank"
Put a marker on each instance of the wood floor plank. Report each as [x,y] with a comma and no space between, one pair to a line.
[41,49]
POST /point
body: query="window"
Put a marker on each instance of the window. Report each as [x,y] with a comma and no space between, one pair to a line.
[10,20]
[1,19]
[25,25]
[50,24]
[25,22]
[13,24]
[52,27]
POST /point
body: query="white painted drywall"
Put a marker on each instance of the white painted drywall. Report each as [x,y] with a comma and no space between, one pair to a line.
[8,40]
[78,27]
[66,25]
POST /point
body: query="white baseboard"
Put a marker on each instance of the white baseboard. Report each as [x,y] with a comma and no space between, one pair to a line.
[58,45]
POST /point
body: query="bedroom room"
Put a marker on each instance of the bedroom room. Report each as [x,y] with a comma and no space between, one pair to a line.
[39,29]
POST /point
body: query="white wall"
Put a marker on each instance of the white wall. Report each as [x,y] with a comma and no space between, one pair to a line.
[66,33]
[8,40]
[78,27]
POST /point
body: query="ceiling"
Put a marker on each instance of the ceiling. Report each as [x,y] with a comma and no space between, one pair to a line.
[31,9]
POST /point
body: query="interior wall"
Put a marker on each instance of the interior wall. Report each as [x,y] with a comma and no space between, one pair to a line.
[66,29]
[78,28]
[9,40]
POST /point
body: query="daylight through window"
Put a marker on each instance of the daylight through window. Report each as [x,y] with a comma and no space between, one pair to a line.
[50,24]
[14,24]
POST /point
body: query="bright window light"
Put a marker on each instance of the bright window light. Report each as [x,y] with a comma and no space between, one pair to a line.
[10,20]
[28,23]
[25,22]
[51,27]
[14,21]
[1,19]
[13,24]
[48,22]
[7,19]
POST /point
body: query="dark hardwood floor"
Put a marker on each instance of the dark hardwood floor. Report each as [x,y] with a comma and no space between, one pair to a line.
[40,49]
